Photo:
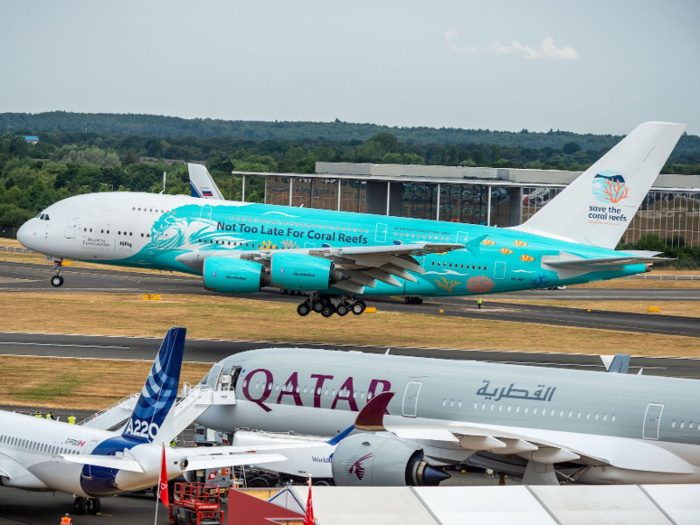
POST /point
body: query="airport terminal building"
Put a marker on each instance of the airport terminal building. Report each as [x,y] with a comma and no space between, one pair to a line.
[493,196]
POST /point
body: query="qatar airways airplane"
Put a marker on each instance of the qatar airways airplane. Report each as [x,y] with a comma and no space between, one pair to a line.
[45,455]
[544,424]
[339,258]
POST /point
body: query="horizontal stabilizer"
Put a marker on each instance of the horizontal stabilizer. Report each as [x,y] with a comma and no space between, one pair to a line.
[130,465]
[605,262]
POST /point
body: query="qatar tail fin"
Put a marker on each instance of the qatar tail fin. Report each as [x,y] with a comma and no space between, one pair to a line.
[201,183]
[599,205]
[153,415]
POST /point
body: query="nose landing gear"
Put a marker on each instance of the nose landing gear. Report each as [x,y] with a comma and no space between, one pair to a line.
[324,305]
[57,280]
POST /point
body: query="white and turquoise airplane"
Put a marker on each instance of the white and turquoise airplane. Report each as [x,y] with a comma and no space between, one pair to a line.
[339,257]
[45,455]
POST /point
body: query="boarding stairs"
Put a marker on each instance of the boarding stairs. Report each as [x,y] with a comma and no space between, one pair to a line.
[114,416]
[194,401]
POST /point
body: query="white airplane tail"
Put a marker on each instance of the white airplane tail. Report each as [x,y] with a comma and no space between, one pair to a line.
[599,205]
[201,183]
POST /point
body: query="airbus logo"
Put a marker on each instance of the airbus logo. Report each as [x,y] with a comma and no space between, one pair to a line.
[139,428]
[357,468]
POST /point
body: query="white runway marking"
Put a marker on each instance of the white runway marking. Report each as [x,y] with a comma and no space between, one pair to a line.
[57,344]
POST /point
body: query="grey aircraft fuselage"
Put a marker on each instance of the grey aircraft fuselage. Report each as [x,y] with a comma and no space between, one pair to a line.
[319,392]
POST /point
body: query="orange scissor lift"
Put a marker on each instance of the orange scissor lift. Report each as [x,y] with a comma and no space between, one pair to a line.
[196,504]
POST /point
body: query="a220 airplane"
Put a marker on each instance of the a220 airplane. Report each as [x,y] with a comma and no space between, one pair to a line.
[45,455]
[535,422]
[340,257]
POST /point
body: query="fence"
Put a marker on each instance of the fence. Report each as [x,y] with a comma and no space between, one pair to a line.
[8,232]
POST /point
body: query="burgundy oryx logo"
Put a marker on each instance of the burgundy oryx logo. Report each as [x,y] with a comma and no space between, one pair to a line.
[357,468]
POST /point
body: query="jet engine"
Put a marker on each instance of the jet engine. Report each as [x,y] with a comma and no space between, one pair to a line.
[233,275]
[297,271]
[380,460]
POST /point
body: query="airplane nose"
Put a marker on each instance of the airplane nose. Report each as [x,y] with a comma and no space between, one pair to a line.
[26,234]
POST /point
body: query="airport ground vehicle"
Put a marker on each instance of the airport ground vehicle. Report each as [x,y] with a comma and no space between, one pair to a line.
[196,504]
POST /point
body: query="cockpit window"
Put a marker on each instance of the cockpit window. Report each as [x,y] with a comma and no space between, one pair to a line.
[43,216]
[46,217]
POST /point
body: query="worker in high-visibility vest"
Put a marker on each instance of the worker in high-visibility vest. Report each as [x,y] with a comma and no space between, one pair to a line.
[66,520]
[49,415]
[71,419]
[173,443]
[478,303]
[38,414]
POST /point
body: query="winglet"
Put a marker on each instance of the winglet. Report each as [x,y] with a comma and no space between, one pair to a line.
[337,439]
[475,244]
[620,364]
[371,417]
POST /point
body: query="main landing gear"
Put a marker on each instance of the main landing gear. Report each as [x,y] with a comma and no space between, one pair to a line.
[86,505]
[324,305]
[57,280]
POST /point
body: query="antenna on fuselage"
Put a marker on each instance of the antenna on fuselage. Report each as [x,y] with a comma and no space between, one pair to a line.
[387,351]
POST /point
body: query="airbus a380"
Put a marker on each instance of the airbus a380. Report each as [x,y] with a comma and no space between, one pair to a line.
[44,455]
[340,257]
[535,422]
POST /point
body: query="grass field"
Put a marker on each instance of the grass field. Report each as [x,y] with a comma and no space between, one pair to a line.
[681,308]
[89,384]
[243,319]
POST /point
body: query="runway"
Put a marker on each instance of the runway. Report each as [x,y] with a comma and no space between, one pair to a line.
[26,277]
[211,351]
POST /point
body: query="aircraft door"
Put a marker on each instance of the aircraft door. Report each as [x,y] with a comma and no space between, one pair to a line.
[214,375]
[652,421]
[462,237]
[205,213]
[86,473]
[71,228]
[499,271]
[410,399]
[380,233]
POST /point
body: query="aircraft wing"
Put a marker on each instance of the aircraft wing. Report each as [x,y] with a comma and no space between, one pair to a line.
[9,468]
[363,265]
[121,463]
[219,457]
[544,446]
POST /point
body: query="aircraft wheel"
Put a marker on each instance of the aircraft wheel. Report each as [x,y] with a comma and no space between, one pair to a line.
[328,310]
[322,483]
[303,309]
[79,506]
[259,482]
[358,307]
[57,280]
[93,506]
[317,306]
[342,310]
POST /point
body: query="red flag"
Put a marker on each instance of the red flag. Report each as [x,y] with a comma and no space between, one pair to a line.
[163,482]
[309,516]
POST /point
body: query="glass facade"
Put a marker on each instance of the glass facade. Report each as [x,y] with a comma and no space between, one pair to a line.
[673,215]
[277,191]
[419,200]
[353,196]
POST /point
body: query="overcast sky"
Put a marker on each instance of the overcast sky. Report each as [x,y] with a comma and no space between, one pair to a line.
[587,66]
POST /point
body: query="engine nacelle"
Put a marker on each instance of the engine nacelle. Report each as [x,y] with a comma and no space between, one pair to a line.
[233,275]
[297,271]
[380,460]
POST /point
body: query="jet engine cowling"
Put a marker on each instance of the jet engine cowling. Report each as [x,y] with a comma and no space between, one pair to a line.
[380,460]
[233,275]
[297,271]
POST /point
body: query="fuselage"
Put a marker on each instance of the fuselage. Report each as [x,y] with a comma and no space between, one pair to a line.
[319,392]
[152,231]
[32,448]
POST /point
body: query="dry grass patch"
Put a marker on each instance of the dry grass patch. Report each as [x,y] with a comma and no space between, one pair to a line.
[88,384]
[224,317]
[682,308]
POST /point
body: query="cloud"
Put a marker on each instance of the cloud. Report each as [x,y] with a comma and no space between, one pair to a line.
[545,51]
